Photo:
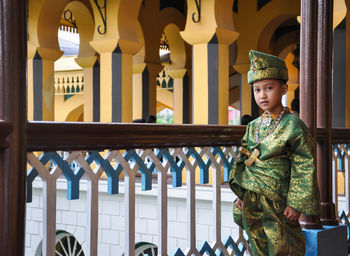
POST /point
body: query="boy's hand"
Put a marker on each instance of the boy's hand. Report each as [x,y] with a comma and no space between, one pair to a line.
[239,203]
[291,214]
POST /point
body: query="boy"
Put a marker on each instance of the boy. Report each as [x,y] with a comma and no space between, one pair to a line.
[274,178]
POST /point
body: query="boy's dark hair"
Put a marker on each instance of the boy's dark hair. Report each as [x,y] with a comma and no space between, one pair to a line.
[246,119]
[282,82]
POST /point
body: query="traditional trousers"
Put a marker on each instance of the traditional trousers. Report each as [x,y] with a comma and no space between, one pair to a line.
[269,231]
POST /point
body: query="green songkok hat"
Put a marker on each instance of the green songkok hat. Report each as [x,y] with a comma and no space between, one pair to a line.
[266,66]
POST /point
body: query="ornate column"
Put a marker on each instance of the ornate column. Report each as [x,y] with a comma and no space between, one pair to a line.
[145,85]
[324,109]
[91,87]
[41,83]
[181,95]
[137,90]
[13,54]
[308,54]
[210,31]
[116,79]
[149,89]
[116,40]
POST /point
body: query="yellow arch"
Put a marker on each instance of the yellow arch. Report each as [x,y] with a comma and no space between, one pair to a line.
[265,39]
[43,20]
[176,45]
[260,24]
[85,24]
[76,115]
[139,57]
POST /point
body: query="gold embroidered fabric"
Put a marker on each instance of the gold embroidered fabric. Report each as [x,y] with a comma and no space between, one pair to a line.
[285,175]
[286,171]
[266,66]
[269,231]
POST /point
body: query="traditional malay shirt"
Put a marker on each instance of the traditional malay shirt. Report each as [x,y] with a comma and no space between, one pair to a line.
[285,169]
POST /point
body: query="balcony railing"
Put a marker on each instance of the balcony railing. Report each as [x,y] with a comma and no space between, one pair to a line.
[69,82]
[341,175]
[124,151]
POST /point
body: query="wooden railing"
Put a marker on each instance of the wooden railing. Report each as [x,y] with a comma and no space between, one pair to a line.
[341,175]
[130,149]
[341,167]
[145,149]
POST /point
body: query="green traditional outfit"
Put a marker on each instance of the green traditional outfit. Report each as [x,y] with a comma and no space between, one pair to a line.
[283,175]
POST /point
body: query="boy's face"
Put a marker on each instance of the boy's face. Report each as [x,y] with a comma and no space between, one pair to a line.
[268,94]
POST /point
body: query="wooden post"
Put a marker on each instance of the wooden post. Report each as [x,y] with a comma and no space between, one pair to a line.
[324,109]
[308,37]
[13,55]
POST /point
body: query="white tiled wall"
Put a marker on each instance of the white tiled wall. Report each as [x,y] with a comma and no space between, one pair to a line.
[71,217]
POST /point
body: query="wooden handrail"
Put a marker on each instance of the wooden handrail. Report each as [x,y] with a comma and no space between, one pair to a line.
[340,135]
[50,136]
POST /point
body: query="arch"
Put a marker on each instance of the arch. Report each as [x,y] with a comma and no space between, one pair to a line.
[128,18]
[172,21]
[48,21]
[139,57]
[43,20]
[278,46]
[340,9]
[152,31]
[260,24]
[176,45]
[85,24]
[171,15]
[266,36]
[75,114]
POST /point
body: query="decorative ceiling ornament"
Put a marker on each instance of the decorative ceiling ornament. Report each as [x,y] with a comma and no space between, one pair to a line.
[198,5]
[68,16]
[102,9]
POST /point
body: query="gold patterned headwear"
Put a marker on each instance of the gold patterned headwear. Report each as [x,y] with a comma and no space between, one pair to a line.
[266,66]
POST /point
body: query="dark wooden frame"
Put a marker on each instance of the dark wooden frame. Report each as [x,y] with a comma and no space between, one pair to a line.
[54,136]
[50,136]
[13,59]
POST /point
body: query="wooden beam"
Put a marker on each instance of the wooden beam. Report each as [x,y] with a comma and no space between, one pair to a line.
[13,59]
[308,37]
[324,109]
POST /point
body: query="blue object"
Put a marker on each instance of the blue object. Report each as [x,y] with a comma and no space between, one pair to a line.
[331,240]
